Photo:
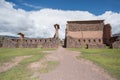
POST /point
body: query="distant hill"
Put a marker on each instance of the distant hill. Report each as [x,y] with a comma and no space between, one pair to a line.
[118,34]
[6,36]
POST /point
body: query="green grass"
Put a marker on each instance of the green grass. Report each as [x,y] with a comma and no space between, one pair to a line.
[50,66]
[109,59]
[6,54]
[20,72]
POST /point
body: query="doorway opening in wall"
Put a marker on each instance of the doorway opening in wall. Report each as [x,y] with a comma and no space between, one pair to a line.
[62,43]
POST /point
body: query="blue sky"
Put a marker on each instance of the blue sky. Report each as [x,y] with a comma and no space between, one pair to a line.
[36,18]
[96,7]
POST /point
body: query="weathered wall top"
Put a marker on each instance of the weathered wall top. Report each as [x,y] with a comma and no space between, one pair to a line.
[94,25]
[85,22]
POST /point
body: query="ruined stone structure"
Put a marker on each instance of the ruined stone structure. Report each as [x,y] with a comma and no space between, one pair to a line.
[107,34]
[32,42]
[21,39]
[115,42]
[56,33]
[79,34]
[87,34]
[0,44]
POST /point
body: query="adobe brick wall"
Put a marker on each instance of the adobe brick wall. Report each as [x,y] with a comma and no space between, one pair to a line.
[87,34]
[79,34]
[84,42]
[31,43]
[107,34]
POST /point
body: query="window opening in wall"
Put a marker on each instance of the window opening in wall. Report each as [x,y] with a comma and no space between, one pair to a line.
[84,40]
[99,40]
[79,40]
[12,39]
[94,40]
[89,40]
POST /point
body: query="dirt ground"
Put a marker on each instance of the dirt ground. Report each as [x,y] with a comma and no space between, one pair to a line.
[71,68]
[15,61]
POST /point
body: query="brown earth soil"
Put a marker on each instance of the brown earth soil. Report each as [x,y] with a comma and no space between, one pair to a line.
[71,68]
[15,61]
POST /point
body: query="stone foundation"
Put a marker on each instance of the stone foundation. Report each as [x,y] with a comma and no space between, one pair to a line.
[87,34]
[96,46]
[115,42]
[83,43]
[31,43]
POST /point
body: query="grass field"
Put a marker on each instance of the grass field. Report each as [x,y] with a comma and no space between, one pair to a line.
[20,72]
[109,59]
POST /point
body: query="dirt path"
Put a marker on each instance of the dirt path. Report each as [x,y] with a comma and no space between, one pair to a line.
[71,68]
[15,61]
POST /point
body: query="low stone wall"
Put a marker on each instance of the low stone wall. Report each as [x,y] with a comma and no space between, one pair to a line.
[115,42]
[0,45]
[8,43]
[53,43]
[95,46]
[31,43]
[83,43]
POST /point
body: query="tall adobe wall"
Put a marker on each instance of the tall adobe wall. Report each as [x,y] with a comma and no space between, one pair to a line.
[88,34]
[107,34]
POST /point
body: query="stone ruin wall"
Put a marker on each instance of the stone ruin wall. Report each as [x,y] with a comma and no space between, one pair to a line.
[79,34]
[84,34]
[84,43]
[115,42]
[85,27]
[107,34]
[31,43]
[22,42]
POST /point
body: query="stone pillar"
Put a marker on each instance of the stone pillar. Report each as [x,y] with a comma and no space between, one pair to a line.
[107,34]
[56,33]
[21,39]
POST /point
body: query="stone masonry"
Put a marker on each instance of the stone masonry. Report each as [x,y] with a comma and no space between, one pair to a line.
[79,34]
[115,42]
[87,34]
[23,42]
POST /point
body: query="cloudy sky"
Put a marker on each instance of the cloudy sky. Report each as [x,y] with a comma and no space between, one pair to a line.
[36,18]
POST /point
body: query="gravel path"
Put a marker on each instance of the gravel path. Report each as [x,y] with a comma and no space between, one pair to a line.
[71,68]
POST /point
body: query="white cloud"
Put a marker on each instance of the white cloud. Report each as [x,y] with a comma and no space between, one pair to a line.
[113,18]
[32,6]
[41,23]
